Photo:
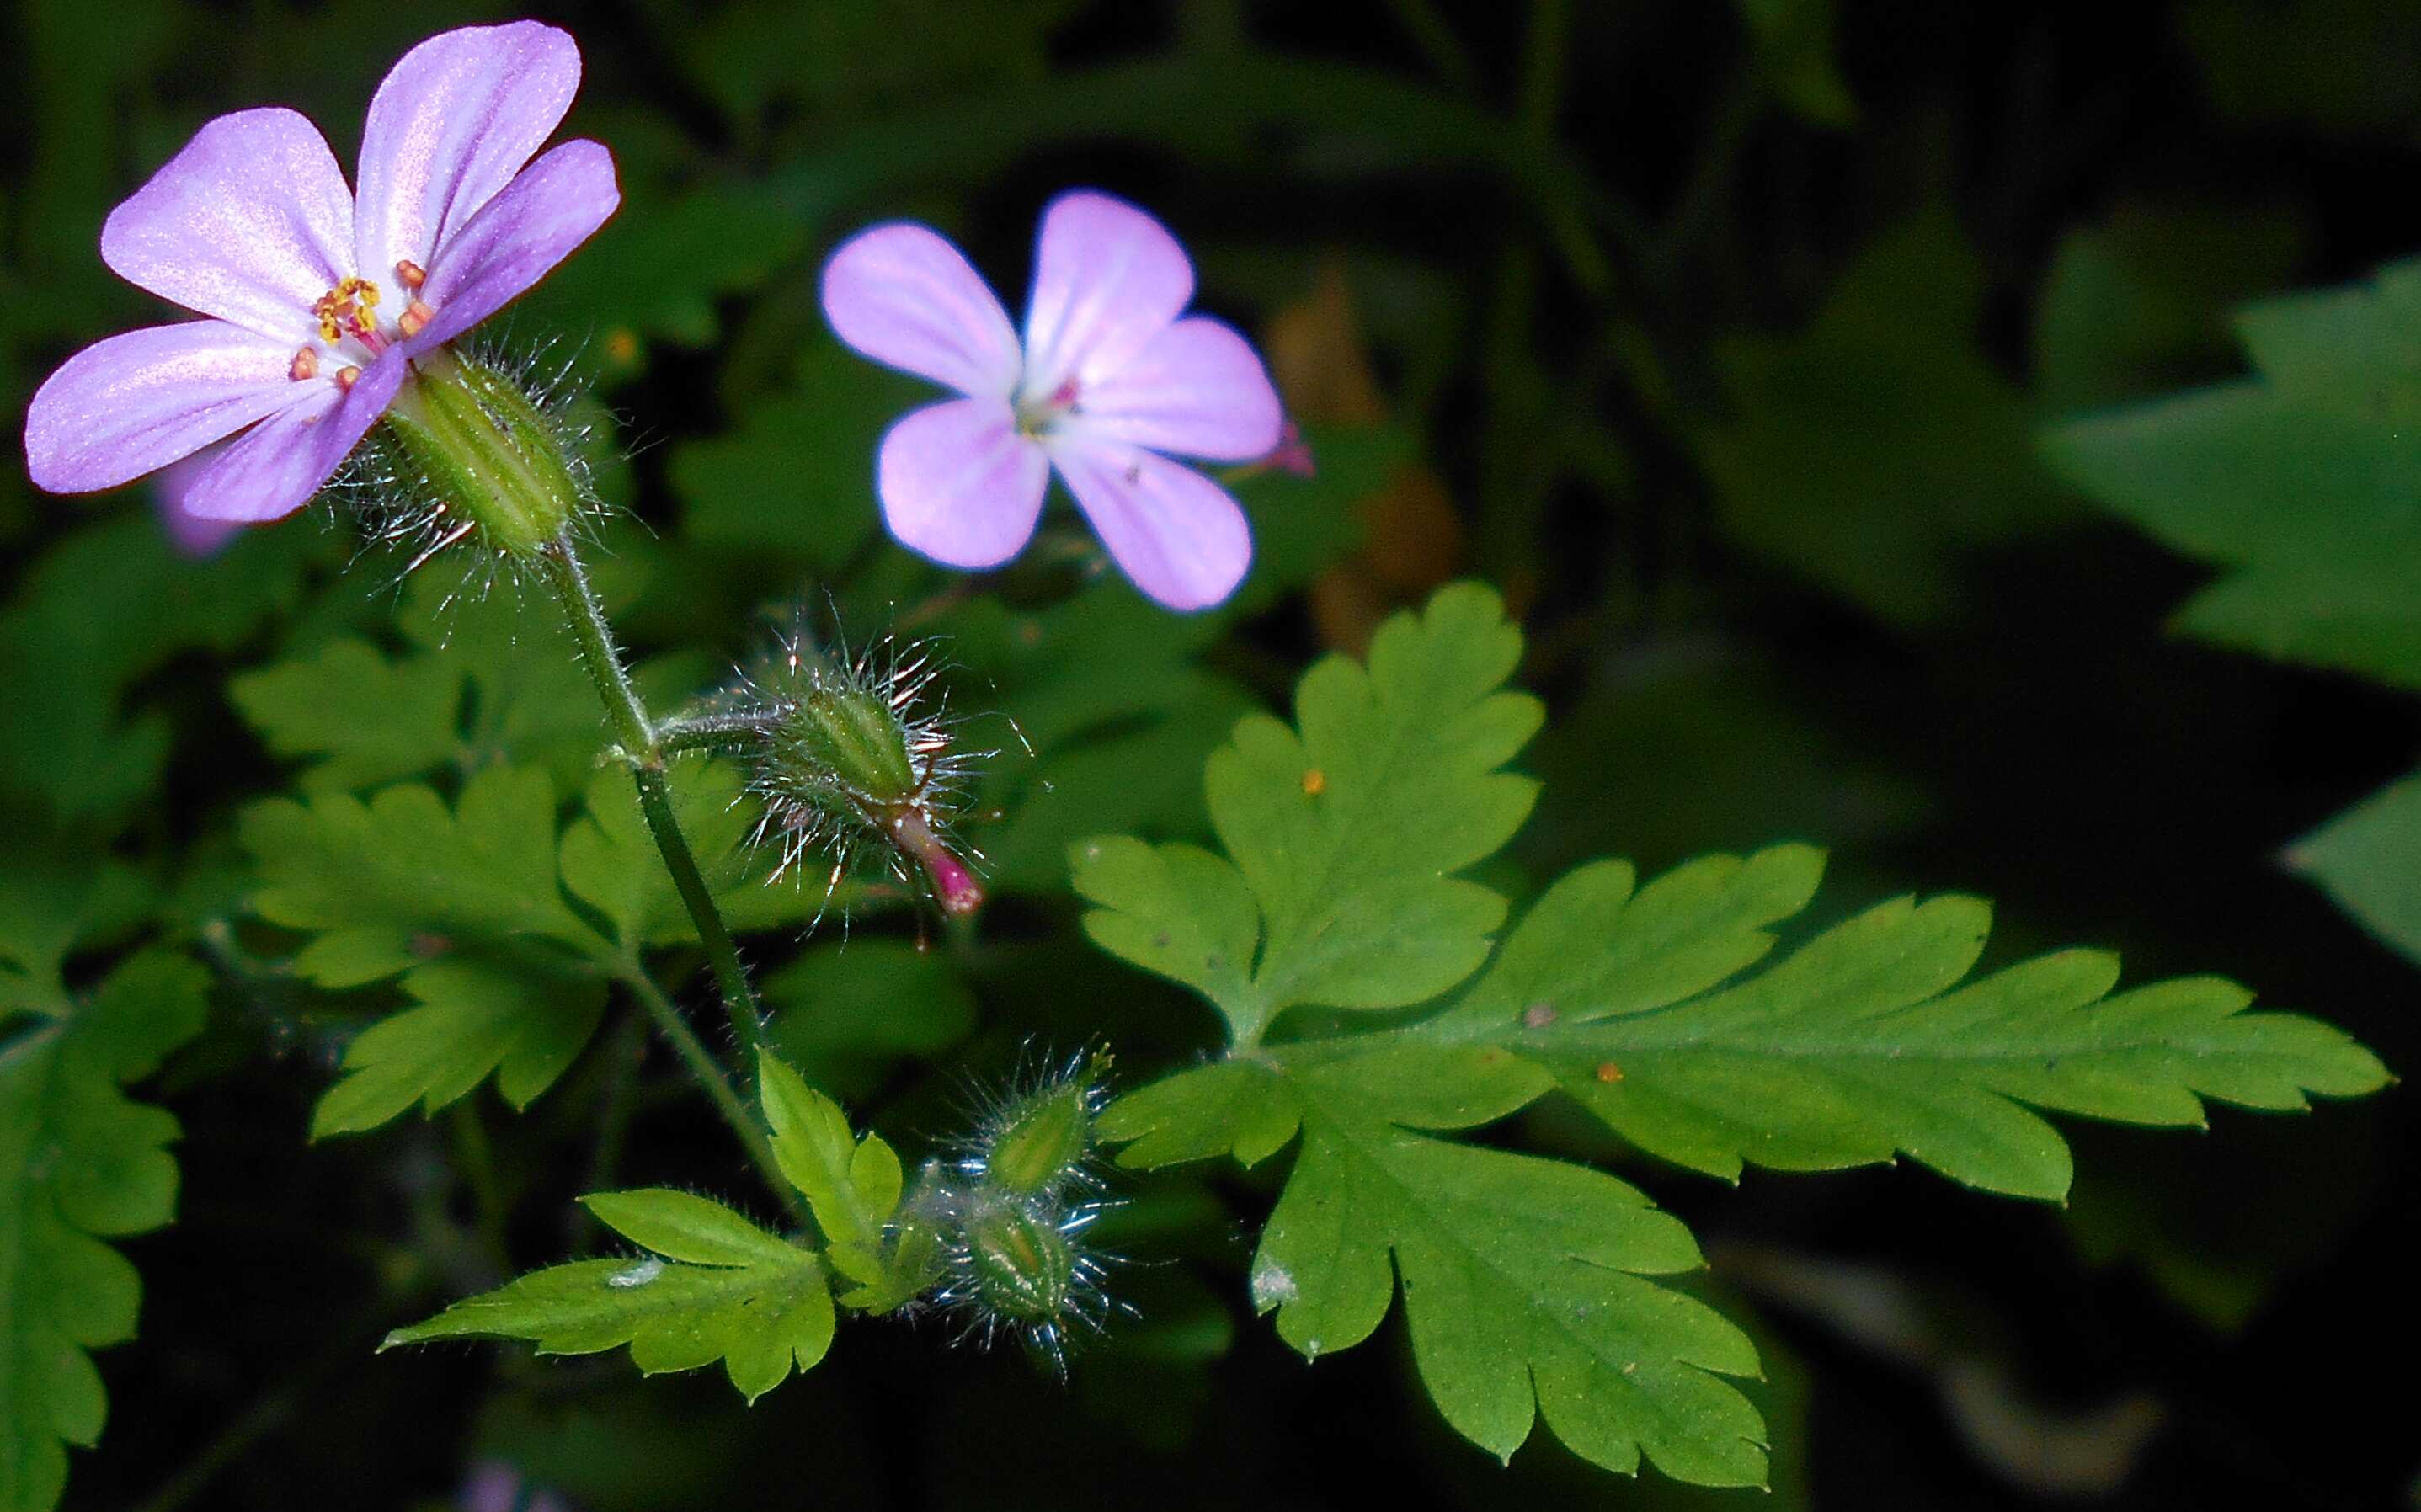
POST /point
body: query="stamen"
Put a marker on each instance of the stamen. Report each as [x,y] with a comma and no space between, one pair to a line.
[306,365]
[346,377]
[410,274]
[415,318]
[345,310]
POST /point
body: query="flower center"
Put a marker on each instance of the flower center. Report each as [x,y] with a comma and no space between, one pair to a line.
[346,311]
[350,312]
[1037,415]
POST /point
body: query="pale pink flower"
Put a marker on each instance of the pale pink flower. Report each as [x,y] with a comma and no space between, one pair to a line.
[318,300]
[1111,378]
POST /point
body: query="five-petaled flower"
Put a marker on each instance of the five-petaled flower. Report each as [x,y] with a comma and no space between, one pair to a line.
[319,300]
[1110,375]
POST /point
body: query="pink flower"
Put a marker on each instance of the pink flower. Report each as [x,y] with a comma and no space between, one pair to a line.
[1111,375]
[318,300]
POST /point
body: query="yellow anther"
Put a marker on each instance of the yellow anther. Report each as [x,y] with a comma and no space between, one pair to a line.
[416,319]
[346,377]
[306,365]
[344,310]
[410,274]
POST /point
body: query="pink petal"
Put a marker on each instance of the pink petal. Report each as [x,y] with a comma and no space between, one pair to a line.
[554,205]
[1197,389]
[1107,278]
[136,403]
[1177,534]
[959,485]
[451,124]
[190,534]
[251,223]
[272,469]
[905,297]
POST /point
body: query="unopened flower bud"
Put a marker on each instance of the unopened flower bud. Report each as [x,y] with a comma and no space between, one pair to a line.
[1024,1269]
[1040,1144]
[848,759]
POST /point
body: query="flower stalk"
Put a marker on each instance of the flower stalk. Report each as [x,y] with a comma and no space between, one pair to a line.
[636,741]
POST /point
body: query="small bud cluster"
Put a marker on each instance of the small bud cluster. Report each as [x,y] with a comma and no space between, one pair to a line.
[853,757]
[1007,1217]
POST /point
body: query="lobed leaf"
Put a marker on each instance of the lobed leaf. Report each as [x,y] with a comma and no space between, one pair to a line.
[474,1018]
[1523,1278]
[79,1162]
[2296,483]
[2368,858]
[723,1290]
[852,1185]
[1343,832]
[385,883]
[610,861]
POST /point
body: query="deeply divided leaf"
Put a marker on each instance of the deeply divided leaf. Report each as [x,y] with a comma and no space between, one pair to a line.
[1653,1007]
[715,1287]
[1342,832]
[79,1162]
[389,881]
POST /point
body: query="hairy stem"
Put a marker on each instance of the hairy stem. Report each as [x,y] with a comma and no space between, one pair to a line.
[709,1073]
[639,745]
[710,732]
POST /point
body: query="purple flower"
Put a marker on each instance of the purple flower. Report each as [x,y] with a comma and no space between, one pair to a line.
[1111,375]
[318,300]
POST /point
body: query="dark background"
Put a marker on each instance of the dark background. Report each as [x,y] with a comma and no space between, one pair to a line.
[1782,579]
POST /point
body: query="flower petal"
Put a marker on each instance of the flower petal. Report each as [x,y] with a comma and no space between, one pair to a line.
[1181,537]
[959,485]
[251,223]
[557,203]
[272,469]
[451,125]
[136,403]
[192,535]
[905,297]
[1107,278]
[1197,389]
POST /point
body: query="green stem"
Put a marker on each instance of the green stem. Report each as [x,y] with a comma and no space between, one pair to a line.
[710,1074]
[640,746]
[711,733]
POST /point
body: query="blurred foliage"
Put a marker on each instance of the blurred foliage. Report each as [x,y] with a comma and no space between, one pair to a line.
[1718,336]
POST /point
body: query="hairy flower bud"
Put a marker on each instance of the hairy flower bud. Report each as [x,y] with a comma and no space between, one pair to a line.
[1015,1206]
[850,759]
[1021,1265]
[484,456]
[1036,1143]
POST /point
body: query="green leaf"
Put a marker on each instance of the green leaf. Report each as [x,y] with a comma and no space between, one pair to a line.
[1521,1278]
[370,718]
[1869,1040]
[389,881]
[611,863]
[474,1018]
[2140,304]
[852,1185]
[724,1289]
[104,607]
[1520,1275]
[1875,449]
[795,477]
[2368,858]
[79,1162]
[1345,831]
[2298,483]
